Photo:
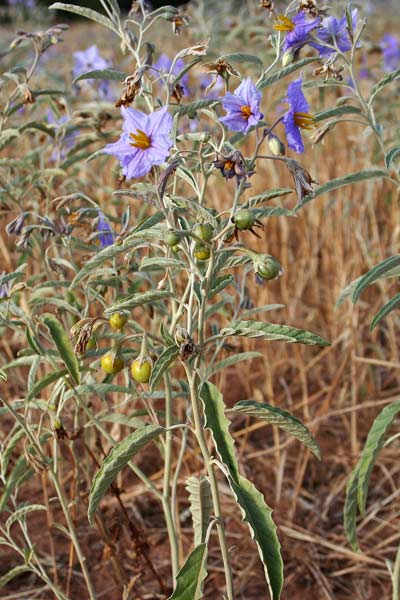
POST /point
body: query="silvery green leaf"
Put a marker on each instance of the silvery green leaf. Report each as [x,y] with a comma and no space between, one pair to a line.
[118,457]
[190,579]
[340,182]
[271,331]
[103,74]
[282,418]
[201,505]
[139,299]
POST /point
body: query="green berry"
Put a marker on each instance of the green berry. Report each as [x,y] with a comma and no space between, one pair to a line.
[204,231]
[244,219]
[141,372]
[172,239]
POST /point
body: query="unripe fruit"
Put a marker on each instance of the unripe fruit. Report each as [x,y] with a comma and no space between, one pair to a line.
[118,319]
[201,252]
[172,239]
[141,372]
[204,231]
[268,267]
[244,219]
[91,344]
[111,364]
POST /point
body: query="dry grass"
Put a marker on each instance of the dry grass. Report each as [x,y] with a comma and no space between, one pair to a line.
[336,392]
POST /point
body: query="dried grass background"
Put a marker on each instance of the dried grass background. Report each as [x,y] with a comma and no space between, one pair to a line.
[336,391]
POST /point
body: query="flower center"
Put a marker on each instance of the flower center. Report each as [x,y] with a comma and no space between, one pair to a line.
[140,140]
[284,24]
[304,120]
[229,164]
[246,111]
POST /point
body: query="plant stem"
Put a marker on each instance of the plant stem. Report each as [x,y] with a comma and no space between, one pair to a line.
[396,577]
[166,501]
[193,383]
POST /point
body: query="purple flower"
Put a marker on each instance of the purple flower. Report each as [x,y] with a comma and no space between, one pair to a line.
[5,287]
[91,60]
[335,32]
[145,141]
[162,67]
[297,117]
[297,30]
[105,234]
[390,52]
[23,3]
[243,107]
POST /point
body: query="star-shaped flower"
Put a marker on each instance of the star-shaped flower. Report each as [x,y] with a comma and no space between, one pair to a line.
[145,141]
[335,32]
[243,107]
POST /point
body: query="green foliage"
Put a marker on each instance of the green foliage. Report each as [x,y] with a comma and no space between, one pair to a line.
[201,506]
[189,581]
[272,332]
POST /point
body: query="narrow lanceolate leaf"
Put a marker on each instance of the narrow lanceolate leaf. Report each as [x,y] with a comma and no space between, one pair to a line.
[193,107]
[118,457]
[44,382]
[88,13]
[15,572]
[350,509]
[391,156]
[162,364]
[63,344]
[111,252]
[268,195]
[158,263]
[140,299]
[232,360]
[242,57]
[18,473]
[281,418]
[373,445]
[285,72]
[376,273]
[21,513]
[384,82]
[274,211]
[258,515]
[340,182]
[201,506]
[103,74]
[190,579]
[385,310]
[271,331]
[218,424]
[338,111]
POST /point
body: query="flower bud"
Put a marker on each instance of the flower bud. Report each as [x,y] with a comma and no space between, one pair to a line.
[276,146]
[287,58]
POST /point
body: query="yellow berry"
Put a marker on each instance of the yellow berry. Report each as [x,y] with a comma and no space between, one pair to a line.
[118,319]
[201,252]
[111,364]
[141,373]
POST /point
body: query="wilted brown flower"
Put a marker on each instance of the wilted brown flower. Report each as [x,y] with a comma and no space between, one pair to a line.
[222,68]
[268,4]
[329,70]
[311,7]
[178,21]
[131,87]
[302,179]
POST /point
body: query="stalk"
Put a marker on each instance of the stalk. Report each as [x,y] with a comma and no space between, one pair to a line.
[197,415]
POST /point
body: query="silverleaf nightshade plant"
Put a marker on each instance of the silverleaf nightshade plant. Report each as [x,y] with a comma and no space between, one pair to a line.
[175,253]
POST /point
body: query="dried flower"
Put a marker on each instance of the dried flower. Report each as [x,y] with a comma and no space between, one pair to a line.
[131,87]
[302,179]
[243,107]
[145,141]
[297,117]
[222,68]
[15,226]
